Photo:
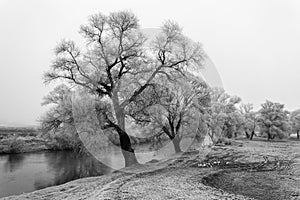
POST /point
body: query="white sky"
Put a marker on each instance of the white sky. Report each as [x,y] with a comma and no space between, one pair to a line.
[255,44]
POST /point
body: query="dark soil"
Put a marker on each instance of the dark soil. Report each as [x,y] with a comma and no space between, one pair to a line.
[259,185]
[269,172]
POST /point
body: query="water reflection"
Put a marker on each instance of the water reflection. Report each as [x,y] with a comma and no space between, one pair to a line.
[14,162]
[31,171]
[68,166]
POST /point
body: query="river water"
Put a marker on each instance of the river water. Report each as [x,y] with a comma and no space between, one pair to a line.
[27,172]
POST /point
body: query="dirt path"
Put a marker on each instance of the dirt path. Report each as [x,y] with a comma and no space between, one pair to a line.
[181,177]
[170,184]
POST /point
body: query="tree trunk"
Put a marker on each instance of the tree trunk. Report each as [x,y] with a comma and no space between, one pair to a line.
[298,135]
[252,134]
[127,150]
[176,144]
[269,136]
[247,134]
[273,137]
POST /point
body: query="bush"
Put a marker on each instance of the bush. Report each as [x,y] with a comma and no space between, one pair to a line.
[66,142]
[16,145]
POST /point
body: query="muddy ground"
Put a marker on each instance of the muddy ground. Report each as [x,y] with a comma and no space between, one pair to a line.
[268,170]
[243,170]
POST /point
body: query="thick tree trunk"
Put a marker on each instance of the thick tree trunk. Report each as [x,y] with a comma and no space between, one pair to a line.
[127,150]
[176,144]
[298,135]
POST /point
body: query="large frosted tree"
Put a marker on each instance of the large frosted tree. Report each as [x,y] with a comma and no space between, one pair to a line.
[117,64]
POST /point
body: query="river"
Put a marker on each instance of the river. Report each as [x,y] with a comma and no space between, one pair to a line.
[27,172]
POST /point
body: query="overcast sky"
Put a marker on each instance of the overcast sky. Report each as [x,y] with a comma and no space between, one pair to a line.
[254,44]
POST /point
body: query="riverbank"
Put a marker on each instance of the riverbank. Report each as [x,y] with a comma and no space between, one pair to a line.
[191,175]
[30,139]
[22,140]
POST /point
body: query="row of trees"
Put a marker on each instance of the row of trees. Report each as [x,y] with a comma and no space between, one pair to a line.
[229,117]
[170,111]
[152,84]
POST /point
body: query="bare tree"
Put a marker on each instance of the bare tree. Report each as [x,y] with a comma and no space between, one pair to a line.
[118,65]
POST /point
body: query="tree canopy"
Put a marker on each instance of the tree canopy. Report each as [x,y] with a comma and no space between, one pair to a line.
[273,120]
[116,64]
[295,122]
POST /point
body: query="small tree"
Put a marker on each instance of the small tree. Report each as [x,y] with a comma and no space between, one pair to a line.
[273,120]
[295,121]
[250,120]
[118,65]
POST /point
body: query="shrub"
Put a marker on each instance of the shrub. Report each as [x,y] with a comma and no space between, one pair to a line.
[16,145]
